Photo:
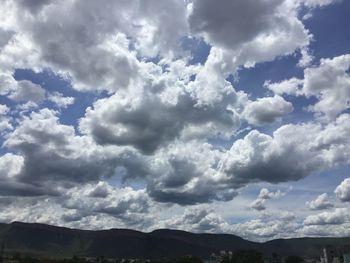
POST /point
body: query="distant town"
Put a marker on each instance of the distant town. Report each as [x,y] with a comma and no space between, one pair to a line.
[329,255]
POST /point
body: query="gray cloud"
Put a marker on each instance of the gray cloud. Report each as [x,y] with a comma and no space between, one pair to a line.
[266,110]
[27,91]
[51,152]
[34,5]
[230,24]
[5,119]
[260,157]
[5,36]
[248,32]
[161,109]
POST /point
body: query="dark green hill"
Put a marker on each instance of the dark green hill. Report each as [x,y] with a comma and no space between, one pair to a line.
[51,241]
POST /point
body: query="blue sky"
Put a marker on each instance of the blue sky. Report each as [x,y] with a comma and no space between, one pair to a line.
[177,114]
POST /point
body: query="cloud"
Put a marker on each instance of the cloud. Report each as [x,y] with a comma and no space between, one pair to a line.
[111,65]
[325,230]
[266,110]
[5,119]
[202,219]
[5,36]
[34,5]
[259,203]
[249,32]
[27,91]
[165,107]
[321,202]
[50,211]
[319,3]
[329,82]
[60,100]
[123,203]
[336,217]
[266,194]
[187,179]
[52,152]
[310,148]
[198,220]
[343,190]
[10,165]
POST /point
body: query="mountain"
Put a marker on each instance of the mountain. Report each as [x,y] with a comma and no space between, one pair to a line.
[52,241]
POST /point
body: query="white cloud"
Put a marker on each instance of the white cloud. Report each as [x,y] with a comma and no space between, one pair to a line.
[27,91]
[123,203]
[336,217]
[60,100]
[343,190]
[329,82]
[260,202]
[318,3]
[197,220]
[5,119]
[291,153]
[321,202]
[75,37]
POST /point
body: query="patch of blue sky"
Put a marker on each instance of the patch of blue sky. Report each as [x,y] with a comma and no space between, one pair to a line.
[329,27]
[199,50]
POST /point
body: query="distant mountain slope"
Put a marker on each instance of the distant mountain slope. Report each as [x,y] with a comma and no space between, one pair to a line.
[46,240]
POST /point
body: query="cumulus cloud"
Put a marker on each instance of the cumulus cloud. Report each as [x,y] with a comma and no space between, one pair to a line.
[52,152]
[180,177]
[21,91]
[60,100]
[329,82]
[321,202]
[325,230]
[101,198]
[266,110]
[165,107]
[309,148]
[5,119]
[5,36]
[260,229]
[249,32]
[260,202]
[202,219]
[336,217]
[50,211]
[343,190]
[110,65]
[198,220]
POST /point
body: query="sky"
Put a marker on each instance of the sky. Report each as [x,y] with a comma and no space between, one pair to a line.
[228,116]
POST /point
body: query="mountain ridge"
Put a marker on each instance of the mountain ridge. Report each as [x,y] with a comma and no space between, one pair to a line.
[56,241]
